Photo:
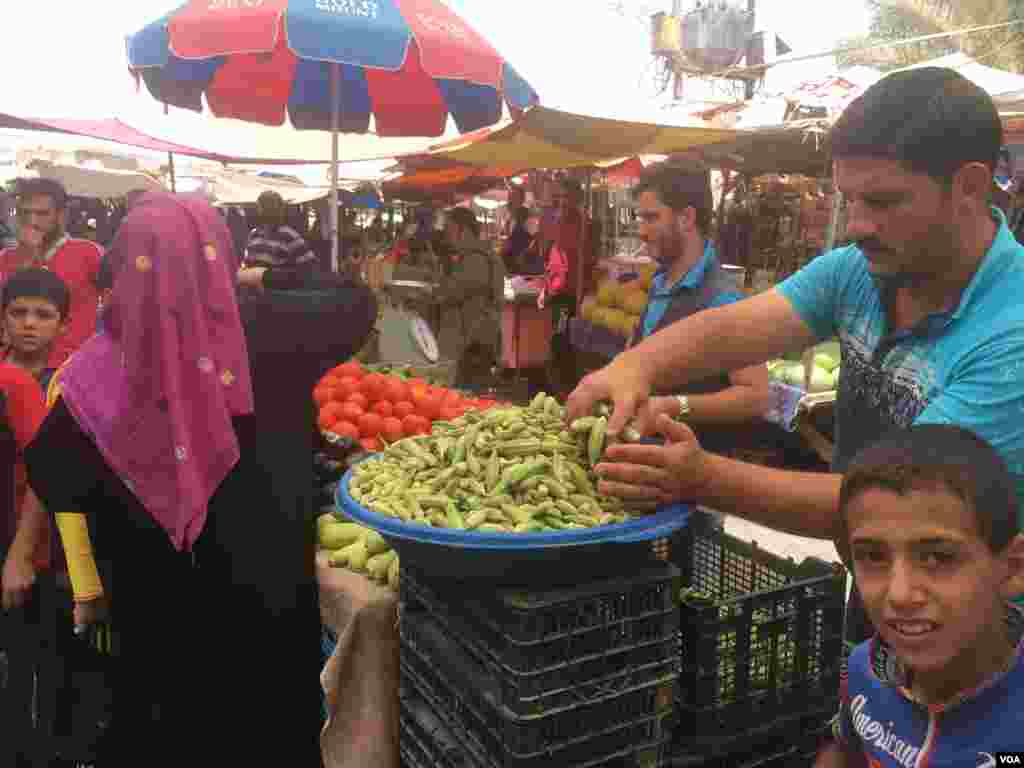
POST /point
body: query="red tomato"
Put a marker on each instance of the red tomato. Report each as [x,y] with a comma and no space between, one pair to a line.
[403,409]
[370,425]
[484,405]
[346,429]
[351,368]
[414,424]
[331,412]
[383,408]
[346,387]
[359,399]
[371,385]
[395,390]
[448,414]
[428,405]
[451,398]
[323,394]
[326,422]
[351,412]
[371,444]
[392,429]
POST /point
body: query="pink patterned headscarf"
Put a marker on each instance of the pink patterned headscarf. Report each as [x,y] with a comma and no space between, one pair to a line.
[156,388]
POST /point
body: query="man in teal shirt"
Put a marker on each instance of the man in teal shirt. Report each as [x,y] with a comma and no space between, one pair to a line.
[927,305]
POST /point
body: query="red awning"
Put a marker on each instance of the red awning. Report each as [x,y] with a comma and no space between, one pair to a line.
[116,131]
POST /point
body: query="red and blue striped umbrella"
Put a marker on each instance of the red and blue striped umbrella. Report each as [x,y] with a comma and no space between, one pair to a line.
[408,63]
[329,65]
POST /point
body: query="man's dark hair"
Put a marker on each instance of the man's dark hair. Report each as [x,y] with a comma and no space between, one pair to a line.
[521,215]
[50,188]
[930,120]
[931,457]
[680,186]
[272,207]
[573,190]
[466,219]
[36,283]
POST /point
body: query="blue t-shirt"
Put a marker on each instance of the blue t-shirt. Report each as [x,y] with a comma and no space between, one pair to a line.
[964,367]
[660,297]
[878,717]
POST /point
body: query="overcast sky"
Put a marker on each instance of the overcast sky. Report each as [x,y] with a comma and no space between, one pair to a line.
[574,52]
[67,58]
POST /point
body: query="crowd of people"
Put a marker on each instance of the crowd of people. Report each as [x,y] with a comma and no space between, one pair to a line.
[162,435]
[142,435]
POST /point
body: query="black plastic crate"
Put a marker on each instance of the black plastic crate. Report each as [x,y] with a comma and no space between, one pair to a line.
[793,744]
[555,688]
[766,647]
[426,742]
[623,722]
[528,632]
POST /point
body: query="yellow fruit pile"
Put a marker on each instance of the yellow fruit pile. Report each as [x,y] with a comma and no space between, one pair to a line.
[619,306]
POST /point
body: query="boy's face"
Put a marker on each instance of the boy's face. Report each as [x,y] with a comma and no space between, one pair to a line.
[32,324]
[931,585]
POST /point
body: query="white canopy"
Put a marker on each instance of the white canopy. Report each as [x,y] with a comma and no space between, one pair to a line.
[102,183]
[1005,88]
[230,187]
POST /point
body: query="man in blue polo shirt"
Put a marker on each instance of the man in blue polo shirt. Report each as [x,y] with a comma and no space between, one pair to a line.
[674,207]
[927,305]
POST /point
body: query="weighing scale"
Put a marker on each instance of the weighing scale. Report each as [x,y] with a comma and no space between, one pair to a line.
[404,336]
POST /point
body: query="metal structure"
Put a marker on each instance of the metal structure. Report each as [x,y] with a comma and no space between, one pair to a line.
[711,36]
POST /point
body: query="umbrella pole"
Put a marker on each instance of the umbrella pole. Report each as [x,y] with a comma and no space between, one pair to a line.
[335,120]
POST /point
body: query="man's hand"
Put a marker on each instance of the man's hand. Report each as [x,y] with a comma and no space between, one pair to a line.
[19,575]
[676,471]
[620,382]
[646,421]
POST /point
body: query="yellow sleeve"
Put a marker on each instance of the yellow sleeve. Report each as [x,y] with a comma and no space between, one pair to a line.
[54,390]
[85,577]
[74,530]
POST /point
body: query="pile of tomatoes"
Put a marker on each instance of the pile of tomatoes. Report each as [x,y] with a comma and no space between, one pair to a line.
[370,408]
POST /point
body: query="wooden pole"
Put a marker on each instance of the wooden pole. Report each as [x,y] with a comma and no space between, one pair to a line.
[748,86]
[335,81]
[170,160]
[581,260]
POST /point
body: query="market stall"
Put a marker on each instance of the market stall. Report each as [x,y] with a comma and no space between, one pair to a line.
[516,645]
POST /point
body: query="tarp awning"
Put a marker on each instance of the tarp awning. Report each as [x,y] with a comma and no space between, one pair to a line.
[228,187]
[93,182]
[107,130]
[224,141]
[799,147]
[1005,88]
[549,138]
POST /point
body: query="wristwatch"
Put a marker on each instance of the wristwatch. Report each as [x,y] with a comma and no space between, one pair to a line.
[684,407]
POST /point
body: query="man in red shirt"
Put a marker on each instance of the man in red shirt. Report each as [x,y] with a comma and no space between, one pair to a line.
[572,233]
[43,242]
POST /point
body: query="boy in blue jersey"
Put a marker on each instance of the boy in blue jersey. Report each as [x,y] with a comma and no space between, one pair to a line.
[928,517]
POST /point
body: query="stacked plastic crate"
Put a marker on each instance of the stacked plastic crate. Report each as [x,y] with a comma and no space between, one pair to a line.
[573,678]
[761,641]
